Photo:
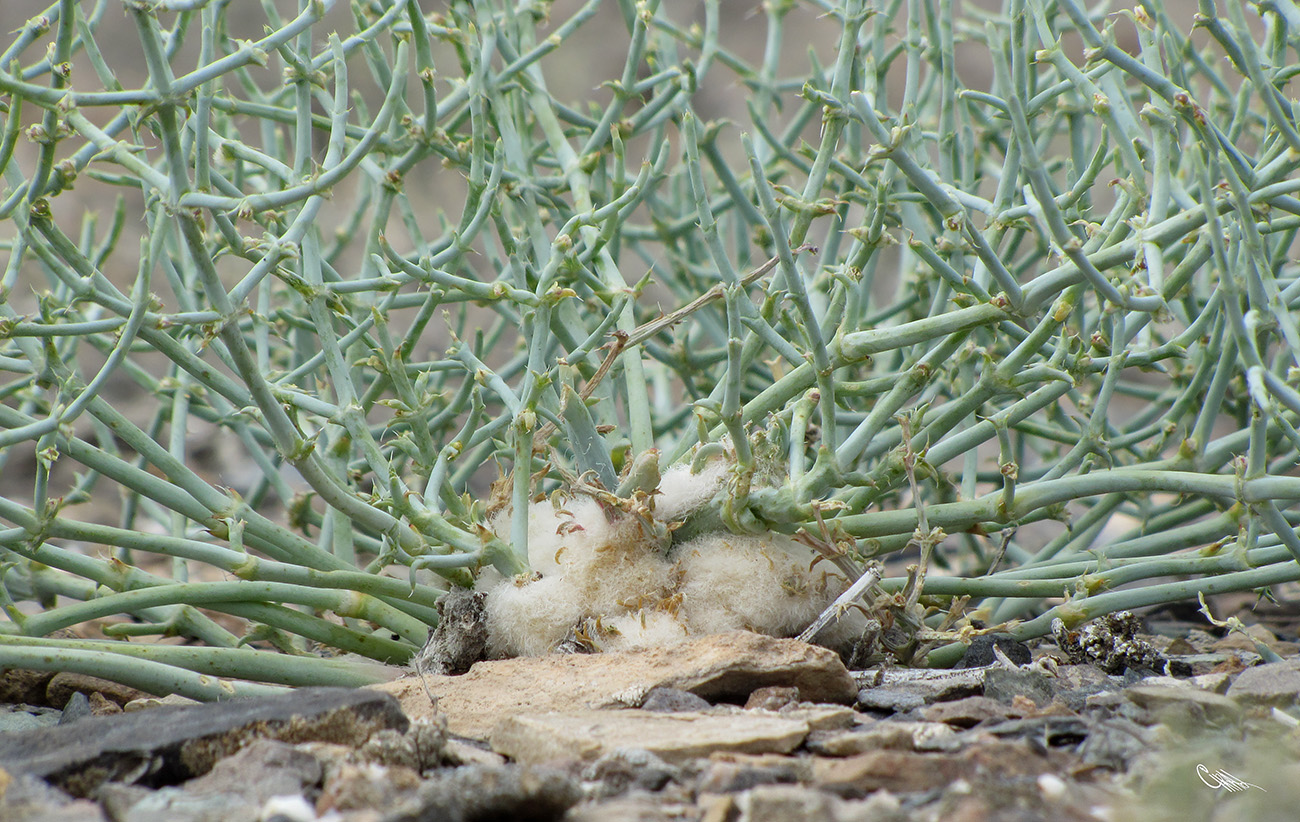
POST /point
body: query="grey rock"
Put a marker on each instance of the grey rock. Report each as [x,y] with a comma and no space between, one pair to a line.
[734,777]
[895,700]
[131,803]
[1197,664]
[633,808]
[475,792]
[1042,732]
[78,707]
[672,700]
[778,804]
[893,734]
[772,698]
[261,770]
[166,745]
[17,718]
[1112,743]
[627,769]
[1189,702]
[1075,684]
[28,798]
[1274,684]
[420,748]
[784,803]
[1005,684]
[966,712]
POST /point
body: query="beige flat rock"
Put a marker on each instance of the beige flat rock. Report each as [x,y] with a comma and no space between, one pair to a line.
[674,737]
[726,666]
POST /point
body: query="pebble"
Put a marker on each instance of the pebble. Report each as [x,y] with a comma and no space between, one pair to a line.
[673,700]
[1274,684]
[1005,684]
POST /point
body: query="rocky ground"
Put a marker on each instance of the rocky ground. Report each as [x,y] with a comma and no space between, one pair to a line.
[1106,724]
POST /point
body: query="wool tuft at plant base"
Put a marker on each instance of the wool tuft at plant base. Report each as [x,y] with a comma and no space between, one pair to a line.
[644,319]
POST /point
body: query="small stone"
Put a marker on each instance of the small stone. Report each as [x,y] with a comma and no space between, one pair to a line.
[169,701]
[672,700]
[980,652]
[26,797]
[785,803]
[896,771]
[586,735]
[907,772]
[734,777]
[101,705]
[897,735]
[1199,705]
[22,686]
[1112,744]
[419,748]
[355,787]
[1274,684]
[466,752]
[772,698]
[19,718]
[966,713]
[627,769]
[478,792]
[262,769]
[633,808]
[1052,786]
[893,700]
[1005,684]
[1214,683]
[64,684]
[78,707]
[1179,646]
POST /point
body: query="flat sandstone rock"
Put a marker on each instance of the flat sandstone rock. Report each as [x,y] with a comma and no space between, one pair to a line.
[586,735]
[727,666]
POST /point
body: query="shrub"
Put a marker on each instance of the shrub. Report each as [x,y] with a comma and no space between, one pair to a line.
[1009,291]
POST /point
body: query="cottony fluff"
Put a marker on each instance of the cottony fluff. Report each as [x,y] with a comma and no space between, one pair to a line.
[603,580]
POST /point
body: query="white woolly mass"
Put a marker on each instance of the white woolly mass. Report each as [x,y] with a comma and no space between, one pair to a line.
[601,574]
[644,629]
[766,584]
[530,618]
[681,492]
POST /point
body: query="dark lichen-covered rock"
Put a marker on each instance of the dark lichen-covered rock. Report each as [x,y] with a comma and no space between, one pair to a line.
[165,746]
[461,636]
[1111,642]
